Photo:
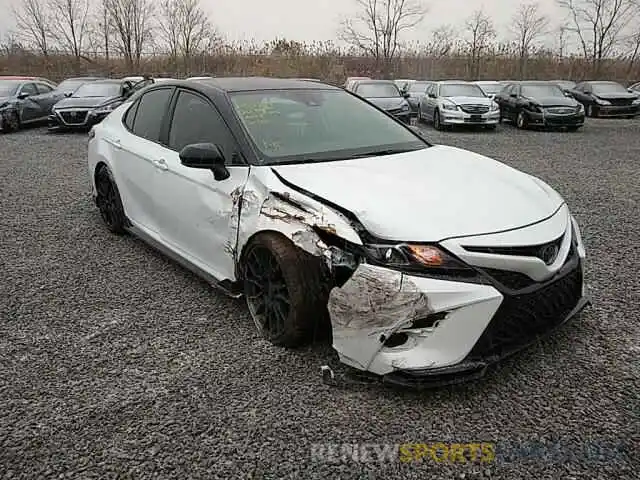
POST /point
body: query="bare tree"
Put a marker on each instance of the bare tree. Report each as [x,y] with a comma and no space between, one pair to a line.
[528,25]
[131,23]
[481,32]
[443,41]
[598,25]
[70,18]
[32,21]
[378,26]
[633,39]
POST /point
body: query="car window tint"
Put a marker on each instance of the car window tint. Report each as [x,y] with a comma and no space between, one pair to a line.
[29,88]
[44,88]
[151,111]
[196,121]
[130,116]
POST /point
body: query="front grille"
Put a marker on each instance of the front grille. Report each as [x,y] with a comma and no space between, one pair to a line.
[620,102]
[74,118]
[546,252]
[475,109]
[561,110]
[520,319]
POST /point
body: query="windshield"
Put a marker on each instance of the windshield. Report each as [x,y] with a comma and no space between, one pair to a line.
[542,91]
[300,126]
[97,89]
[377,90]
[460,90]
[71,85]
[420,87]
[491,88]
[608,87]
[8,88]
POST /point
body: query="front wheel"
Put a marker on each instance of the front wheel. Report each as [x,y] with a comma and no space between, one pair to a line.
[521,121]
[284,289]
[437,123]
[11,122]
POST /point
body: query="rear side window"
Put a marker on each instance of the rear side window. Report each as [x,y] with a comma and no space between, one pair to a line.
[130,116]
[150,113]
[44,88]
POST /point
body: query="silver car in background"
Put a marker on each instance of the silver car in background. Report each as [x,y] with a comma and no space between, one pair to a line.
[456,102]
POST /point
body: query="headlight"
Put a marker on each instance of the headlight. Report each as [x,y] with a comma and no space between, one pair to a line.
[105,109]
[405,106]
[580,107]
[599,101]
[494,106]
[636,101]
[535,108]
[449,106]
[413,257]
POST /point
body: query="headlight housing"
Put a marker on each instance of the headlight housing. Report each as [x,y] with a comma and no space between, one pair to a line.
[636,101]
[580,107]
[494,107]
[449,105]
[600,101]
[414,257]
[104,109]
[405,106]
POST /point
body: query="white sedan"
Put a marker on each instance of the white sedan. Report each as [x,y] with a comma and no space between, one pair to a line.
[428,263]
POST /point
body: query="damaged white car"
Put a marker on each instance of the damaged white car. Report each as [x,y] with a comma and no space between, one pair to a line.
[428,262]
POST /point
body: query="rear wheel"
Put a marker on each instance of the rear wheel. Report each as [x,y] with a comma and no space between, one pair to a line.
[284,289]
[109,202]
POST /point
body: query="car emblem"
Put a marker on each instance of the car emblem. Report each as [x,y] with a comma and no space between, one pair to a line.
[549,253]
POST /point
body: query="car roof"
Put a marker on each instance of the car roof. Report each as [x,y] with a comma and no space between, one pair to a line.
[535,82]
[243,84]
[487,82]
[86,78]
[109,81]
[456,82]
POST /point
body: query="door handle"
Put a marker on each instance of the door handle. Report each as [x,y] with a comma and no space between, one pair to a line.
[161,164]
[117,143]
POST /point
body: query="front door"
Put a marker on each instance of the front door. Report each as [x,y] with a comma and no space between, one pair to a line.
[196,210]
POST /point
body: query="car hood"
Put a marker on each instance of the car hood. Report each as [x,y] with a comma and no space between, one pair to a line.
[555,101]
[617,96]
[470,100]
[428,195]
[85,102]
[387,103]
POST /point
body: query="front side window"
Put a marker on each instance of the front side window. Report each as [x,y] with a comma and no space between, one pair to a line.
[196,121]
[152,108]
[29,88]
[298,126]
[377,90]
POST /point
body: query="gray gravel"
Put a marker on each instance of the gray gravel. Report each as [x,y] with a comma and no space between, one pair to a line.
[117,363]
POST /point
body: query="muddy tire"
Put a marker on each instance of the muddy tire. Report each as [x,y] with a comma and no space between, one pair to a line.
[109,202]
[285,289]
[521,121]
[437,124]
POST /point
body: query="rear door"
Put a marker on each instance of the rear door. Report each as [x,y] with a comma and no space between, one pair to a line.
[138,150]
[195,209]
[46,97]
[30,110]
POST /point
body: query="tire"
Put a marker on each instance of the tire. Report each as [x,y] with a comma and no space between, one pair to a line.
[521,120]
[285,289]
[11,123]
[436,121]
[109,202]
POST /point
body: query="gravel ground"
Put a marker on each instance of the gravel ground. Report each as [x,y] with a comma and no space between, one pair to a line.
[117,363]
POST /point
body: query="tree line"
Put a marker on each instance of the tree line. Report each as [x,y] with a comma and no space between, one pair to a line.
[596,30]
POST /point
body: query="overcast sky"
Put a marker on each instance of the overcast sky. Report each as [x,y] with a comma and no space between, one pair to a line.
[307,20]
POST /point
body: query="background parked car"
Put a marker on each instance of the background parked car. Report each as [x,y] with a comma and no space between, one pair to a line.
[385,95]
[455,102]
[91,103]
[542,104]
[417,90]
[607,99]
[70,85]
[348,84]
[635,87]
[25,100]
[490,88]
[565,85]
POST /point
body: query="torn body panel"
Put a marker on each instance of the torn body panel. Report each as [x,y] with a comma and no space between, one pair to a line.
[377,303]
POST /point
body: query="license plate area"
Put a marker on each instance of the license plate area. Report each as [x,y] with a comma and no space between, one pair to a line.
[475,118]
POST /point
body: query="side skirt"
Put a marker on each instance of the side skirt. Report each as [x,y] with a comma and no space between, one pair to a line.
[228,287]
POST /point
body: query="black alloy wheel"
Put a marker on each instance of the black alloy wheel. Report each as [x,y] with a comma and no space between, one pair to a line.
[109,202]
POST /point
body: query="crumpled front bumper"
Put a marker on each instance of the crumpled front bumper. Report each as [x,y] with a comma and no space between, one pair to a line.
[423,331]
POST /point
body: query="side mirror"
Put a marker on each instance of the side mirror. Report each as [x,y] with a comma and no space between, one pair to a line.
[514,95]
[205,156]
[432,95]
[68,94]
[568,94]
[631,90]
[23,95]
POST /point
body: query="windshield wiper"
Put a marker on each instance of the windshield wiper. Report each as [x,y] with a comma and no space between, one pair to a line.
[380,153]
